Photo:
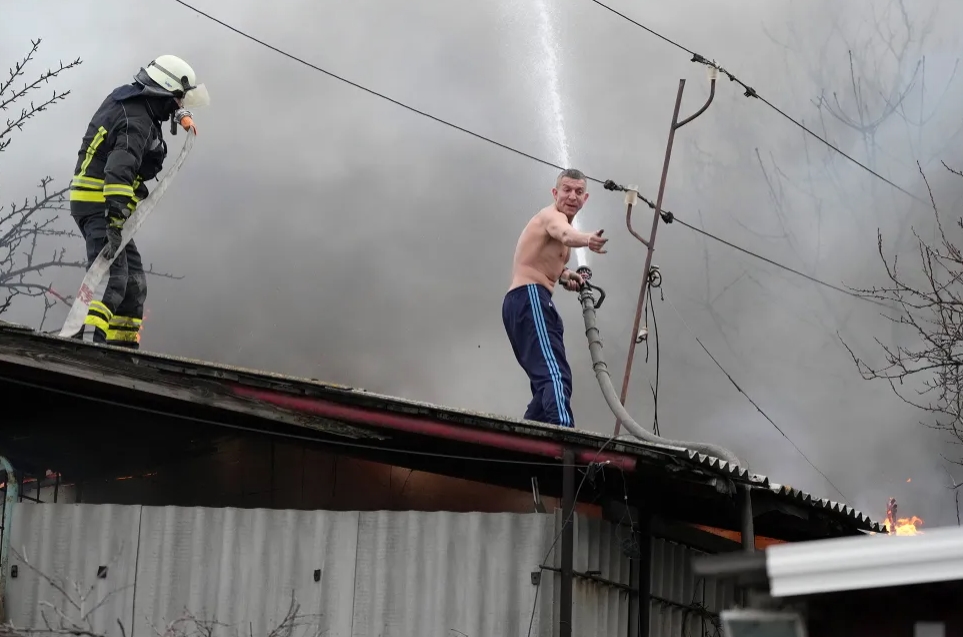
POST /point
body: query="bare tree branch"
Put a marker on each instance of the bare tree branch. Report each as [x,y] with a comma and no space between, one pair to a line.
[74,613]
[931,306]
[9,95]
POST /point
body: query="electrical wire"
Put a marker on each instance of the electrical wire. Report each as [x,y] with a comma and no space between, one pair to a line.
[749,398]
[655,336]
[372,91]
[266,432]
[799,273]
[667,216]
[751,92]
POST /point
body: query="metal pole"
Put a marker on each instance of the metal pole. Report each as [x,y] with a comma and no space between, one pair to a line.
[568,542]
[638,337]
[748,531]
[9,503]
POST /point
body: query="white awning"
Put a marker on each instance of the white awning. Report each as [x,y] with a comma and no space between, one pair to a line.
[869,561]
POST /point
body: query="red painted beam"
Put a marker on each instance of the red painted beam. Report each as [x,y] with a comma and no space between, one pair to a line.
[431,427]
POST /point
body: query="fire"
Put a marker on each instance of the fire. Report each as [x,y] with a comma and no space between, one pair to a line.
[143,322]
[901,526]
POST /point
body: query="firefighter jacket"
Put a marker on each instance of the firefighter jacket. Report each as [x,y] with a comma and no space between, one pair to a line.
[123,147]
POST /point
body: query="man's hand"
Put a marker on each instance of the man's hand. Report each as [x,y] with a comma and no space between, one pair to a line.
[573,281]
[596,242]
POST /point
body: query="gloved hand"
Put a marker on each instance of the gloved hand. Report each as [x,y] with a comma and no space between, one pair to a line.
[186,119]
[116,214]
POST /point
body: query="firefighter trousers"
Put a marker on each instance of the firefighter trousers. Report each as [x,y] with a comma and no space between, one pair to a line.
[116,312]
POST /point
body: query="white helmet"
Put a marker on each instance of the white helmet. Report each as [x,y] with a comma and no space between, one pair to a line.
[175,75]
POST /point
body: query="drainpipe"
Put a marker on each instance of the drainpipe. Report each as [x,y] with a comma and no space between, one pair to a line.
[8,506]
[568,543]
[431,427]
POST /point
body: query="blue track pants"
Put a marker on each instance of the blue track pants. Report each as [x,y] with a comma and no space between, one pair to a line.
[535,331]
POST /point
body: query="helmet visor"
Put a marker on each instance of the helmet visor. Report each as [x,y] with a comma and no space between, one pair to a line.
[196,97]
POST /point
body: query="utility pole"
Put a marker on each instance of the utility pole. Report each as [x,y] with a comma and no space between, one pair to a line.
[651,277]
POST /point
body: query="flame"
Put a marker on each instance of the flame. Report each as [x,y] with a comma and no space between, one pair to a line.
[143,322]
[901,526]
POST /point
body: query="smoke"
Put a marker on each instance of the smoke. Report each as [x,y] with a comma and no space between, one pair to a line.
[327,233]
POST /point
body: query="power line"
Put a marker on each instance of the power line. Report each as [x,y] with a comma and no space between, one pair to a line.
[373,92]
[751,92]
[749,398]
[669,217]
[666,215]
[780,265]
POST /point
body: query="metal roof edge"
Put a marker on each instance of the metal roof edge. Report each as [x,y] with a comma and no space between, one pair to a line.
[623,443]
[861,562]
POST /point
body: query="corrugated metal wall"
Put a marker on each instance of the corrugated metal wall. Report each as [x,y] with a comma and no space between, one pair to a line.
[682,605]
[359,574]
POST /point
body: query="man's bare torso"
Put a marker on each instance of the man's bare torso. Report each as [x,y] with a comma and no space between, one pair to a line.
[539,258]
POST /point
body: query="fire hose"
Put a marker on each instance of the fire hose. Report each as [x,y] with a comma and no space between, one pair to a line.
[100,267]
[589,306]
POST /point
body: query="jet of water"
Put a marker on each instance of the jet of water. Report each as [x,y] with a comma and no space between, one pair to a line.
[550,50]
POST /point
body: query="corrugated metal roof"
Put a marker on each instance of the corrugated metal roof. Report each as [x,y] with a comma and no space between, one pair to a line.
[838,508]
[353,573]
[73,355]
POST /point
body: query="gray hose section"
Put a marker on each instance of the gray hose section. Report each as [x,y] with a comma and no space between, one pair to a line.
[612,398]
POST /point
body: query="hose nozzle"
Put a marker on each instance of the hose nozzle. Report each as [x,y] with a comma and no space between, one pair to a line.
[586,273]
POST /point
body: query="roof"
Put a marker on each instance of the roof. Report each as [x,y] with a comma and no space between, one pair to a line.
[324,410]
[844,564]
[870,561]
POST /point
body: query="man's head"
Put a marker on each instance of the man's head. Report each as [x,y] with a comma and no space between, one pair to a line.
[570,192]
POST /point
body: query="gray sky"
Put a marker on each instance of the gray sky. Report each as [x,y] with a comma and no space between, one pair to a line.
[328,233]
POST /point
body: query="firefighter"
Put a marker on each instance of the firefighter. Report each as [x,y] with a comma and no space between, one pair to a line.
[122,149]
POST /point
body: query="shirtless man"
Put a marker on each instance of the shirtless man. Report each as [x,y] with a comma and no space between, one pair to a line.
[534,327]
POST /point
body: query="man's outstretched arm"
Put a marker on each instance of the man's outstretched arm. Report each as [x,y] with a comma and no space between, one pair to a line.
[561,230]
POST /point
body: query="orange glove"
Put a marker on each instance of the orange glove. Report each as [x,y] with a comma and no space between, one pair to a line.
[186,119]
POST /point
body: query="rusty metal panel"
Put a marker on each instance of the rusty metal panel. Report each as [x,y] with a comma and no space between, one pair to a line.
[88,554]
[680,603]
